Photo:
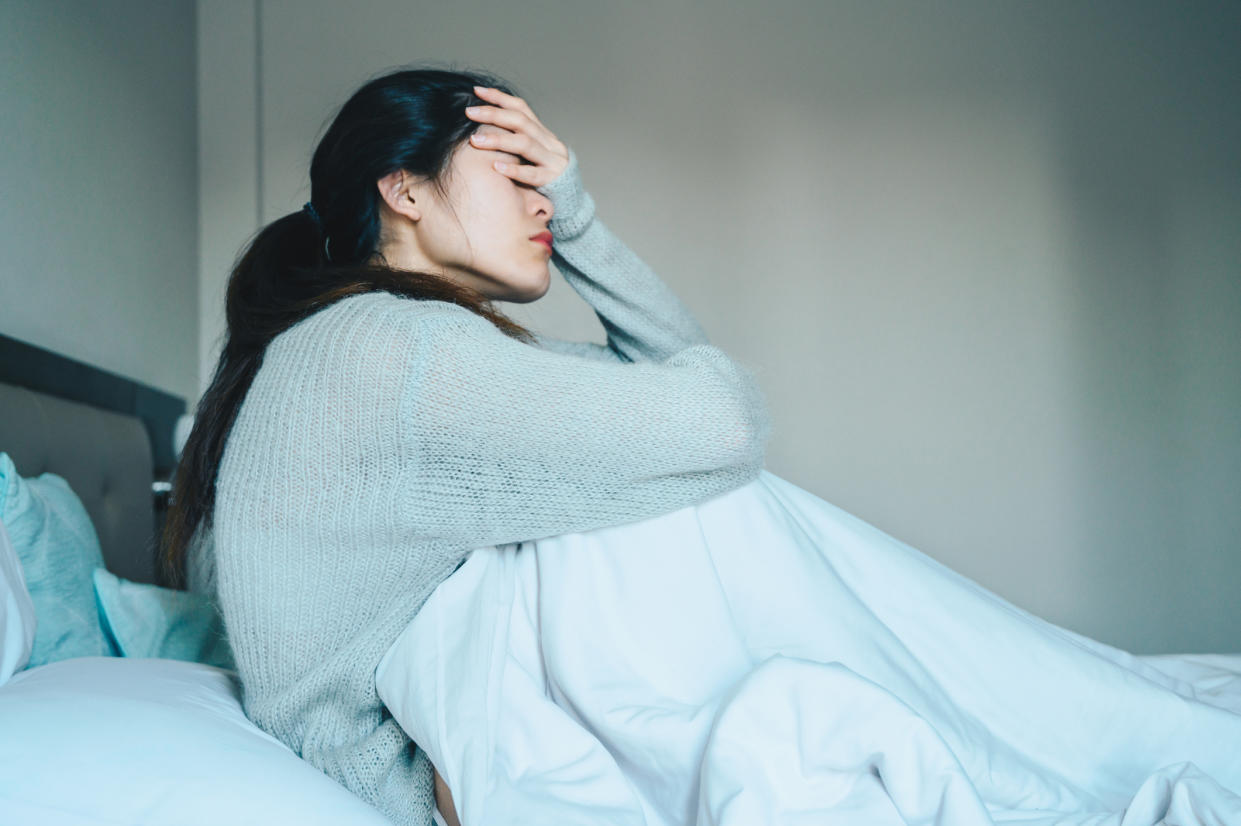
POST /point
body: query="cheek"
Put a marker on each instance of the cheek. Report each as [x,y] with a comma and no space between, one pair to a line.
[495,219]
[504,213]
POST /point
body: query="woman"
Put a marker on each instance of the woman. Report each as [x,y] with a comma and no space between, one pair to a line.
[372,418]
[373,421]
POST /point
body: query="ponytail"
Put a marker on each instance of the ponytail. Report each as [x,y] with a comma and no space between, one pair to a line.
[413,119]
[283,277]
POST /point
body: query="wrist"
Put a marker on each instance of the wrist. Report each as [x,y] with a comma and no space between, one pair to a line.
[573,208]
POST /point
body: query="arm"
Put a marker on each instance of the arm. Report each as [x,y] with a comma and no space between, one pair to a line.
[514,443]
[644,319]
[581,349]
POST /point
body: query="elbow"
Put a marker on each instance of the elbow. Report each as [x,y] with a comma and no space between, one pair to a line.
[751,428]
[737,439]
[755,434]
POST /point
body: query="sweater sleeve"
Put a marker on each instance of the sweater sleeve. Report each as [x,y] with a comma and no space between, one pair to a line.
[512,442]
[643,318]
[581,349]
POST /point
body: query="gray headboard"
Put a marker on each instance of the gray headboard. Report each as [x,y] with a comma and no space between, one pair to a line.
[109,437]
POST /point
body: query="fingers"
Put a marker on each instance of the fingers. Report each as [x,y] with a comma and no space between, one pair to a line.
[511,119]
[504,99]
[525,137]
[511,112]
[529,174]
[515,143]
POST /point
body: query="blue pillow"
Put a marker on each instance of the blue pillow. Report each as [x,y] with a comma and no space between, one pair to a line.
[58,549]
[149,621]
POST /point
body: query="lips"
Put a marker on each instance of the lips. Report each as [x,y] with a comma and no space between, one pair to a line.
[544,238]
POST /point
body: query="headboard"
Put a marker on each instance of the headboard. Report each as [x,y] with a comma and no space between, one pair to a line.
[108,436]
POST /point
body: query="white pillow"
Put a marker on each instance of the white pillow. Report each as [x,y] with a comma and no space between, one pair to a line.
[16,612]
[151,741]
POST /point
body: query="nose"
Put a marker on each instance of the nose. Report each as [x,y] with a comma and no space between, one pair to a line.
[543,205]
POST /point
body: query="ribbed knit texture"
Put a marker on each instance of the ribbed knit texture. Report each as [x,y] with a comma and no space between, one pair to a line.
[383,438]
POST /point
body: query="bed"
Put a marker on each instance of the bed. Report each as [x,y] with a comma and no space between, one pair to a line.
[120,737]
[142,739]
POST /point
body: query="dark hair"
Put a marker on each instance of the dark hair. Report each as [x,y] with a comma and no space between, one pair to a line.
[412,119]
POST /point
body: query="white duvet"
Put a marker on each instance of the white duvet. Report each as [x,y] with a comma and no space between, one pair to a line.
[766,658]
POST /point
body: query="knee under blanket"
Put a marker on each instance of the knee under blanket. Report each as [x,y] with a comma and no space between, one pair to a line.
[767,658]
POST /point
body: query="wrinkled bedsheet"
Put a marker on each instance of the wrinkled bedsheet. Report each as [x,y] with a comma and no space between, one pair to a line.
[767,658]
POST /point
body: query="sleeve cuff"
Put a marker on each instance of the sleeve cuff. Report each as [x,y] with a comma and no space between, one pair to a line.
[573,208]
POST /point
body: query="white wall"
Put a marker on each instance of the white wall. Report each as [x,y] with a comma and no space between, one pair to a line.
[98,185]
[983,255]
[229,176]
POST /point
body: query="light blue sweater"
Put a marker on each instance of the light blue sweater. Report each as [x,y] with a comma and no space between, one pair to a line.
[383,438]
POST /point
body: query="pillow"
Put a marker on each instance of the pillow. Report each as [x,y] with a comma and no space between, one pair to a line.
[58,549]
[113,740]
[143,620]
[16,612]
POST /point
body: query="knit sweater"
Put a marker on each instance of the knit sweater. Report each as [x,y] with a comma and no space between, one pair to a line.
[384,438]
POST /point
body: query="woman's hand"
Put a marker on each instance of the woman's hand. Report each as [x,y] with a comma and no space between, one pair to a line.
[520,133]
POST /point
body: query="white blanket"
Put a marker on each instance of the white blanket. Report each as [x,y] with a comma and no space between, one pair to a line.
[766,658]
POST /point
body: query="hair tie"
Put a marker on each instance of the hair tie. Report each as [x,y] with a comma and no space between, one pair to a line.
[309,209]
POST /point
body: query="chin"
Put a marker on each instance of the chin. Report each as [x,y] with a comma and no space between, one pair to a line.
[533,292]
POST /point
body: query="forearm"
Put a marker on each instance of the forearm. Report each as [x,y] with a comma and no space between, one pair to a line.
[518,443]
[643,318]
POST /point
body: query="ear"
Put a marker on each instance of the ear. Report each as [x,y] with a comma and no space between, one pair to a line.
[397,191]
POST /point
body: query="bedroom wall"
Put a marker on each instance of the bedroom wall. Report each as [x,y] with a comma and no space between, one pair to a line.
[984,256]
[98,184]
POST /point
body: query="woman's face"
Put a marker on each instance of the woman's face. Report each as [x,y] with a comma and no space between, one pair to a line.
[482,235]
